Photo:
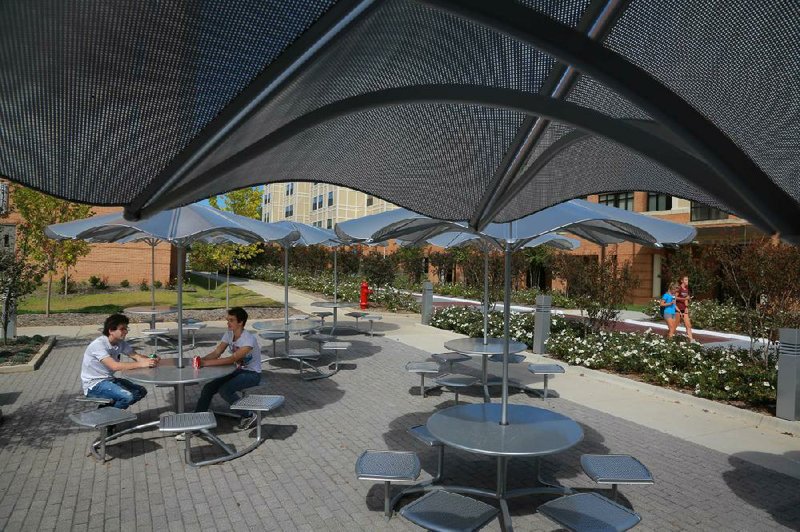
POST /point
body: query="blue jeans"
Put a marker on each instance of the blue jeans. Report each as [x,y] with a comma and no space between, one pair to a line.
[123,392]
[228,388]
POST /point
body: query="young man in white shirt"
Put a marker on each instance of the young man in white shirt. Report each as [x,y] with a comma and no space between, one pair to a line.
[245,353]
[102,358]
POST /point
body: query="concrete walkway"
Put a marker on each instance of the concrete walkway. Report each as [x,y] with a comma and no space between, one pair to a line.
[765,440]
[716,468]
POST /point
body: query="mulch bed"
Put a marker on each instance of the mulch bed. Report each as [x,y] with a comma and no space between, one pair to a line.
[74,318]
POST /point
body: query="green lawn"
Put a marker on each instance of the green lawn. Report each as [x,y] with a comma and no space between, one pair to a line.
[195,296]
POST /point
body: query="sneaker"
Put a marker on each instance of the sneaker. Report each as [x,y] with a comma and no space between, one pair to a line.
[181,436]
[247,423]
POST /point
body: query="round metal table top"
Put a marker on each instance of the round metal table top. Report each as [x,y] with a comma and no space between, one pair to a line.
[167,373]
[332,304]
[475,346]
[530,431]
[292,326]
[164,309]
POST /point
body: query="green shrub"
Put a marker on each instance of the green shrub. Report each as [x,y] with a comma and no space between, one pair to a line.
[720,373]
[124,283]
[143,286]
[158,284]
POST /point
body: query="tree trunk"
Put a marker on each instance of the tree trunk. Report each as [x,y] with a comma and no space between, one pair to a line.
[49,291]
[66,280]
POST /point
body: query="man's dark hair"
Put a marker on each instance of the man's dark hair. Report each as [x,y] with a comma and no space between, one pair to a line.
[239,313]
[114,321]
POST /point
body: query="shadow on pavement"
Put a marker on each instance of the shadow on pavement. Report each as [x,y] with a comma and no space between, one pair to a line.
[773,492]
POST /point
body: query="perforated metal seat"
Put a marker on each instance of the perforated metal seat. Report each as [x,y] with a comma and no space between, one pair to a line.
[423,368]
[443,511]
[192,328]
[320,339]
[187,423]
[357,315]
[274,336]
[455,382]
[450,358]
[322,314]
[155,334]
[422,433]
[388,467]
[589,512]
[546,370]
[615,469]
[372,318]
[258,404]
[101,419]
[513,358]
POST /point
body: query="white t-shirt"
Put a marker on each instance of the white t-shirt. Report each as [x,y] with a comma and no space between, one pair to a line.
[251,361]
[92,370]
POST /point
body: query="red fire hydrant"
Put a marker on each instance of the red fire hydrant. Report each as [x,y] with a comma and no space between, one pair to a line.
[365,292]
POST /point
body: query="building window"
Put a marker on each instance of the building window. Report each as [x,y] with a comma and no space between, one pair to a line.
[370,200]
[3,198]
[289,212]
[314,203]
[289,189]
[266,218]
[701,212]
[330,223]
[658,202]
[6,241]
[330,198]
[620,200]
[268,197]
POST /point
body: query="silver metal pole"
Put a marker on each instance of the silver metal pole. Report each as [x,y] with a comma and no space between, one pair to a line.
[228,287]
[286,285]
[153,278]
[486,296]
[181,259]
[506,330]
[335,275]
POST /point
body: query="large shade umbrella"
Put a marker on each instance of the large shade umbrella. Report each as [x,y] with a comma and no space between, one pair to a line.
[602,225]
[181,227]
[307,235]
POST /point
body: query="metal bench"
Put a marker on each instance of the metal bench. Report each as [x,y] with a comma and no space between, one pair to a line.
[546,370]
[155,334]
[422,433]
[450,358]
[357,315]
[372,318]
[192,327]
[274,336]
[615,469]
[322,314]
[454,382]
[589,512]
[101,419]
[388,467]
[423,368]
[442,511]
[190,422]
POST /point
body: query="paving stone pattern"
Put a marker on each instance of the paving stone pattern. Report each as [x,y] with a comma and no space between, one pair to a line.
[303,477]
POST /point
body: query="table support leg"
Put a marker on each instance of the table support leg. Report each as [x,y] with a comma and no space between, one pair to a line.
[485,371]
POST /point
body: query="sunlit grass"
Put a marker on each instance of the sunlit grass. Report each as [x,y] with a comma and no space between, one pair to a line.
[196,295]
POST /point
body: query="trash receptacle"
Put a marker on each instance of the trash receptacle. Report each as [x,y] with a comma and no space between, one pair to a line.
[788,406]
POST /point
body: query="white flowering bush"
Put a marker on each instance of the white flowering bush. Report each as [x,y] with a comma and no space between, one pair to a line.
[721,374]
[469,321]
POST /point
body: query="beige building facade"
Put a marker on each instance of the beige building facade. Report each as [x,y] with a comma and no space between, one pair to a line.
[318,204]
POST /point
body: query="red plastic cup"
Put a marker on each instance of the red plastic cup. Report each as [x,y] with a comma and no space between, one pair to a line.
[196,362]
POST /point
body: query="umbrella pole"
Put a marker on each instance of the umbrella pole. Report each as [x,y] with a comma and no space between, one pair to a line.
[153,279]
[335,275]
[486,296]
[179,391]
[506,332]
[286,285]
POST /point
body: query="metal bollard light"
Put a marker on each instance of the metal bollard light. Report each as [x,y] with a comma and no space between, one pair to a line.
[788,406]
[427,302]
[541,323]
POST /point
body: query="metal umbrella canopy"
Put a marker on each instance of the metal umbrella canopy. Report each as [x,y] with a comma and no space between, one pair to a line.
[601,225]
[490,111]
[180,227]
[307,235]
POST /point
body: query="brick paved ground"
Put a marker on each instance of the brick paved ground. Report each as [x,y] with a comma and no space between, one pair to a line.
[302,479]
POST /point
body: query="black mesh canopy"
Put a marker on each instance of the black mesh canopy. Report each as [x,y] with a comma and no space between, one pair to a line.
[462,110]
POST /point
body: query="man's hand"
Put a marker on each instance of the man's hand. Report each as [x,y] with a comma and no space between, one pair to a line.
[145,362]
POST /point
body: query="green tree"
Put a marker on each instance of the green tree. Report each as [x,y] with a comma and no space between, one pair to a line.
[18,278]
[245,202]
[38,211]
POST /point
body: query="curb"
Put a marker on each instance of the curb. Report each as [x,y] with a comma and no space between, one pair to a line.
[34,363]
[707,405]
